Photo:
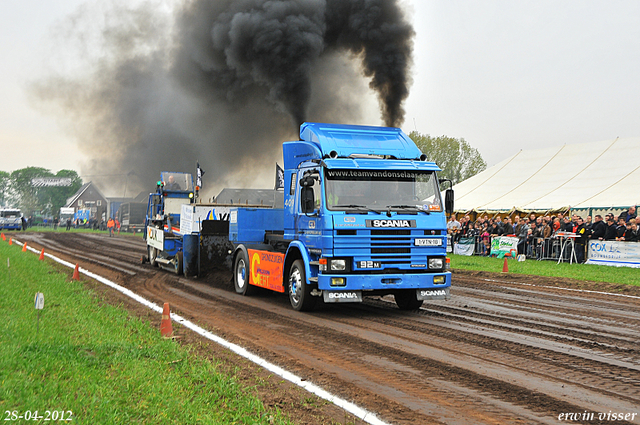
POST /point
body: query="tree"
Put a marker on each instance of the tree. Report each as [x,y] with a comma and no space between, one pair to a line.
[23,193]
[43,200]
[457,159]
[5,178]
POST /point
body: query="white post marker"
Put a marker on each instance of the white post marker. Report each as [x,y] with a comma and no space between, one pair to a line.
[39,303]
[9,267]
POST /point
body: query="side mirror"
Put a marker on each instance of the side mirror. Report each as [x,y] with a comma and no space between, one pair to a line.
[307,200]
[307,181]
[448,201]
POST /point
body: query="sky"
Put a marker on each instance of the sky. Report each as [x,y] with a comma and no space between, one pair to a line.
[504,75]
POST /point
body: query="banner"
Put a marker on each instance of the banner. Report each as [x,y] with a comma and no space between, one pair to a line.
[464,246]
[82,215]
[614,253]
[51,181]
[503,244]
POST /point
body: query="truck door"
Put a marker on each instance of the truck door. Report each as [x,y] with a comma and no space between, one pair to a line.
[309,194]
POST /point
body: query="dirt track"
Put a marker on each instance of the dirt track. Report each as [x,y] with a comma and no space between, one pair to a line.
[500,351]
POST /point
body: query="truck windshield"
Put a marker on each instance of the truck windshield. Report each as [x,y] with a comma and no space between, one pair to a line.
[177,181]
[382,190]
[10,213]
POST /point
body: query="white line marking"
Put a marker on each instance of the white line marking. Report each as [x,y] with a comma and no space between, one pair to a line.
[355,410]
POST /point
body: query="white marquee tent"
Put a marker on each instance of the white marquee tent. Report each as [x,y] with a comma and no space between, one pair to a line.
[597,175]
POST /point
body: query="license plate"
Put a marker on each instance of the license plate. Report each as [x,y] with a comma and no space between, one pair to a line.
[369,264]
[428,242]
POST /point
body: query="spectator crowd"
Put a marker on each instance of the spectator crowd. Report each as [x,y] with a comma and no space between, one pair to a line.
[536,234]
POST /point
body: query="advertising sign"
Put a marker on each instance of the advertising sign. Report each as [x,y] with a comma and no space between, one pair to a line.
[503,244]
[155,237]
[266,269]
[39,301]
[614,253]
[192,216]
[82,215]
[464,246]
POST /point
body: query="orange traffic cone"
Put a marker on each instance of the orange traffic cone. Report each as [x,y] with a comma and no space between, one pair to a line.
[24,247]
[76,274]
[41,255]
[166,330]
[10,241]
[4,238]
[505,267]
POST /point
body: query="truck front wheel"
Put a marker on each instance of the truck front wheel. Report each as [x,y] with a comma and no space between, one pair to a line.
[299,291]
[408,300]
[241,274]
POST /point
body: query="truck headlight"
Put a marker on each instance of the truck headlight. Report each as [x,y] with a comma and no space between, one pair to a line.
[338,265]
[338,281]
[436,263]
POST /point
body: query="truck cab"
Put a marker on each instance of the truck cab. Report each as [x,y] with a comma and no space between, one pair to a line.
[10,219]
[162,221]
[362,216]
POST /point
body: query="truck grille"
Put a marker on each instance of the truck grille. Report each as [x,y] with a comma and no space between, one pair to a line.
[391,250]
[394,248]
[390,232]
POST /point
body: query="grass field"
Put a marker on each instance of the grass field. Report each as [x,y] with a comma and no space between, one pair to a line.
[105,366]
[621,275]
[99,365]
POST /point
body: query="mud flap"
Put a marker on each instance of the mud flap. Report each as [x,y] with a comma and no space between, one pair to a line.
[433,294]
[342,296]
[191,253]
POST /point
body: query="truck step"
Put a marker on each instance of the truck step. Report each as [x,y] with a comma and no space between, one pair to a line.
[313,279]
[314,263]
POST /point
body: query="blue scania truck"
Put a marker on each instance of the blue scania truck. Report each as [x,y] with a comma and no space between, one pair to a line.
[361,214]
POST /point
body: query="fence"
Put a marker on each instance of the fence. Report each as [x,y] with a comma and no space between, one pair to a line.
[556,248]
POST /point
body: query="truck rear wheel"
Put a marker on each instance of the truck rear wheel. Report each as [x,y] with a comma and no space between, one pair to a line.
[153,254]
[408,300]
[241,274]
[299,291]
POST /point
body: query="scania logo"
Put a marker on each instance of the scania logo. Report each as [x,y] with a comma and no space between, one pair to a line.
[391,223]
[349,295]
[434,293]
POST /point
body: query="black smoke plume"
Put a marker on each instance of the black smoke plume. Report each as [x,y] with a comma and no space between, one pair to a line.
[223,82]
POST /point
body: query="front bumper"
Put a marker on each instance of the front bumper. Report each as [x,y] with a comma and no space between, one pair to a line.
[375,282]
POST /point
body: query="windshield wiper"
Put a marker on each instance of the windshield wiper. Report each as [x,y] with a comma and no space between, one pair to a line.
[408,207]
[360,207]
